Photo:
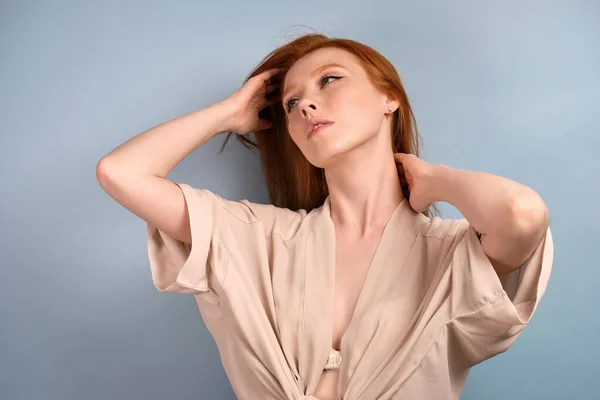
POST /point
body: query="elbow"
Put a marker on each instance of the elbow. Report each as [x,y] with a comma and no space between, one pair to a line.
[104,170]
[530,216]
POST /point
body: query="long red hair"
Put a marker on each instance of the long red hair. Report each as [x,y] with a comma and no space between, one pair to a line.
[291,180]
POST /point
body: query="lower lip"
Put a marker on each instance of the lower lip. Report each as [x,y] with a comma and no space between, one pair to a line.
[319,129]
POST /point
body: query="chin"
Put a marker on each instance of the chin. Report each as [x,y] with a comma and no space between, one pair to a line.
[327,151]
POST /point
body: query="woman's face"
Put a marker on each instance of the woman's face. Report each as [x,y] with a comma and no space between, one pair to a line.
[331,84]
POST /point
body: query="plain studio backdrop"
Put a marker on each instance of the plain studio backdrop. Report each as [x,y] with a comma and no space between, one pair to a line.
[505,87]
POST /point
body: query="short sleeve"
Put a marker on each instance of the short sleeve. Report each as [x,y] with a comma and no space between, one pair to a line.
[492,310]
[178,267]
[218,228]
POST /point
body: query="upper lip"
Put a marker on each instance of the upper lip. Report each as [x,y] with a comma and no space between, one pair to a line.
[316,121]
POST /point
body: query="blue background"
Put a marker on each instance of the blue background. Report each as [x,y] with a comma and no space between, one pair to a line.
[505,87]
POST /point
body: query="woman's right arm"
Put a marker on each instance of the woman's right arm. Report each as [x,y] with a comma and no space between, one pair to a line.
[134,174]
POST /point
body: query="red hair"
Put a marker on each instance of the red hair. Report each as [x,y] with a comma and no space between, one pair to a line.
[291,180]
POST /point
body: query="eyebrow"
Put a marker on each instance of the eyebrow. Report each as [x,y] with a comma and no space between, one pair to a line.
[316,71]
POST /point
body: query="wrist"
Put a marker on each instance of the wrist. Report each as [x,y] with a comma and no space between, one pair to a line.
[225,113]
[438,182]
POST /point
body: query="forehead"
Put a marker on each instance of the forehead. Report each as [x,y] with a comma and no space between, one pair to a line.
[303,68]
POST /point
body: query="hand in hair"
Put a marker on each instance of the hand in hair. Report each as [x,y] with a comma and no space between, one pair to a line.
[246,103]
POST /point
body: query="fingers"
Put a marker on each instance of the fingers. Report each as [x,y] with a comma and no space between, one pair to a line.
[273,83]
[264,124]
[399,156]
[271,87]
[402,177]
[403,182]
[269,82]
[268,74]
[266,103]
[272,91]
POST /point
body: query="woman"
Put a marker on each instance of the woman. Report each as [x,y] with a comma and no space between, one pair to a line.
[344,287]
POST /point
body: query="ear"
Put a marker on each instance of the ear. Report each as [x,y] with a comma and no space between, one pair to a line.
[390,102]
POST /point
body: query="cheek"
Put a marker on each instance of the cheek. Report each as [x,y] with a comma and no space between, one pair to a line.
[367,102]
[357,112]
[297,135]
[295,131]
[373,114]
[353,103]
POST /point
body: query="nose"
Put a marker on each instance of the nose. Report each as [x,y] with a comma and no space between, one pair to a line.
[307,106]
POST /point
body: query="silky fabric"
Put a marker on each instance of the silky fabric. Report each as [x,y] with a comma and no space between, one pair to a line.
[430,308]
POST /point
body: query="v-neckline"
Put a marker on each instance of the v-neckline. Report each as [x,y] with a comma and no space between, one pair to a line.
[332,266]
[315,339]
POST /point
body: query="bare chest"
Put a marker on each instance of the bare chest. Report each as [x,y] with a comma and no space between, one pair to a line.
[353,260]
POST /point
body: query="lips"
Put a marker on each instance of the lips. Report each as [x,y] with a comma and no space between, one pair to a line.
[318,129]
[316,125]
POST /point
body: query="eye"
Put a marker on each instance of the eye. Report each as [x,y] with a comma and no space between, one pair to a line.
[323,79]
[328,77]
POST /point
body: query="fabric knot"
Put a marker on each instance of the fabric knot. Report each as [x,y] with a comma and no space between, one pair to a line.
[334,359]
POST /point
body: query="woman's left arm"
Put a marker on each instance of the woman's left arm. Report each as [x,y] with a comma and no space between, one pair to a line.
[511,217]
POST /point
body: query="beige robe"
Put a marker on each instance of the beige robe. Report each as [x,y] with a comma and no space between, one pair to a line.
[431,305]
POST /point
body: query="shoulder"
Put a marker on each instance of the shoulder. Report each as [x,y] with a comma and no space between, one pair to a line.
[443,228]
[244,213]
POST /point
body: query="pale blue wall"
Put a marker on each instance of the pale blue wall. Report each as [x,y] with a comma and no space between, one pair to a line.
[505,87]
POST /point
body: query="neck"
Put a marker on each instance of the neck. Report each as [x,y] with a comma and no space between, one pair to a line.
[364,187]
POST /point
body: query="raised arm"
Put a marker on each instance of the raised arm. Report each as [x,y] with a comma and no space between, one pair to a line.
[134,173]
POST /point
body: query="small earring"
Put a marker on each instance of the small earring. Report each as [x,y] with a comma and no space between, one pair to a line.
[389,111]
